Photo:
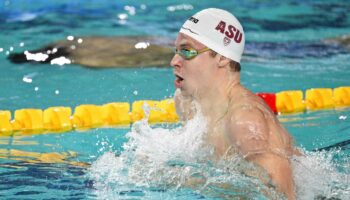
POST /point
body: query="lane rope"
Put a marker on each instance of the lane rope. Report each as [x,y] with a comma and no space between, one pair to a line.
[62,119]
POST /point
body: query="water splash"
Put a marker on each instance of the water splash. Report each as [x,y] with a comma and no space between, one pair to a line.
[168,162]
[321,175]
[153,157]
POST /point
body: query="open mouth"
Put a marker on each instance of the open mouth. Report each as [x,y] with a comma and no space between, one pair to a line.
[179,78]
[178,81]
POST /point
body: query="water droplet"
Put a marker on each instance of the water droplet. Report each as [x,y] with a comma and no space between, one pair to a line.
[70,38]
[130,9]
[343,117]
[142,45]
[123,16]
[27,79]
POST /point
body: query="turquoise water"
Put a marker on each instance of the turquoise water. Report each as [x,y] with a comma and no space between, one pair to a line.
[284,51]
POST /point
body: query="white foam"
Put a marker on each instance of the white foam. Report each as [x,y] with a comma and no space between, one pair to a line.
[39,57]
[60,61]
[318,174]
[156,157]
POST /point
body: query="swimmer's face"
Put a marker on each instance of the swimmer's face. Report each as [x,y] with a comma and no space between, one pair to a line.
[193,76]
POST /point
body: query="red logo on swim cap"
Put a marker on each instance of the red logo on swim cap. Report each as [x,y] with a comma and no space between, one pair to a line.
[231,32]
[226,41]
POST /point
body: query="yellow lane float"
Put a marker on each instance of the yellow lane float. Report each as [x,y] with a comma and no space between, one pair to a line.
[320,98]
[61,119]
[341,97]
[28,120]
[5,125]
[290,101]
[57,119]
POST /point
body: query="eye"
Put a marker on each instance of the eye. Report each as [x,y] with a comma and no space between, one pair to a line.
[183,51]
[188,52]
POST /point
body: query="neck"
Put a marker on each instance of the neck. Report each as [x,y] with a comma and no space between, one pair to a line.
[216,101]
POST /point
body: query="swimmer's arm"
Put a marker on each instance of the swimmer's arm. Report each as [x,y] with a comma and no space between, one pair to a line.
[184,106]
[249,132]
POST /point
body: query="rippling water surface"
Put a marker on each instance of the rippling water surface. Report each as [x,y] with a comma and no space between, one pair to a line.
[285,50]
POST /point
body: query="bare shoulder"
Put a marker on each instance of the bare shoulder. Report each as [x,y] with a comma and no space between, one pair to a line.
[248,128]
[249,109]
[255,131]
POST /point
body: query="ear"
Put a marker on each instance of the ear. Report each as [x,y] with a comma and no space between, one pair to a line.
[223,61]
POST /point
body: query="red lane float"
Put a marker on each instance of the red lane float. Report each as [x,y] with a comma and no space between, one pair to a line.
[270,100]
[60,119]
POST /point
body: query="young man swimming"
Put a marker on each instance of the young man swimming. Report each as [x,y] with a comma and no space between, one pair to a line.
[207,67]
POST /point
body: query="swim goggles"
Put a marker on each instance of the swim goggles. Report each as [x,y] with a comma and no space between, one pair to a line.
[189,53]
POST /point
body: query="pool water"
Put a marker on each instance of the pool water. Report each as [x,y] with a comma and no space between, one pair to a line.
[284,51]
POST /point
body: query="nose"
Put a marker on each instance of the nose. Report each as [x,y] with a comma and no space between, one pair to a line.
[176,61]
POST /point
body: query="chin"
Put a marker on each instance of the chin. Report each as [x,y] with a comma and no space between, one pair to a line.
[185,92]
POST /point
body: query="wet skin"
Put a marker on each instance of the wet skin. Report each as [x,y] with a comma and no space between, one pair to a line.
[238,120]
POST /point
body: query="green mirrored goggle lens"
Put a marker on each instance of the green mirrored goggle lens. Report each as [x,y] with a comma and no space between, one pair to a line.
[189,53]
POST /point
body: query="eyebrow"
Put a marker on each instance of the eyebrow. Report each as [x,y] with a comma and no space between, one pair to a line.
[184,46]
[185,43]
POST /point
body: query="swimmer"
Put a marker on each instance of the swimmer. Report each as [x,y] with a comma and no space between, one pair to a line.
[206,63]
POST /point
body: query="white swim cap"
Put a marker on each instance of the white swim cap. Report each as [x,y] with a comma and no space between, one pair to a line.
[217,29]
